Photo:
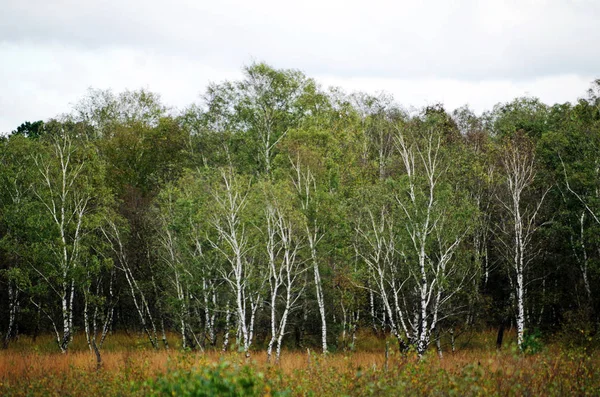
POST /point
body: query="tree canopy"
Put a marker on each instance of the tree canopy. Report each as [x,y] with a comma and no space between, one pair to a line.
[274,212]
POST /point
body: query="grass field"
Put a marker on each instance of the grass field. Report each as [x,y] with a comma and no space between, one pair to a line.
[131,368]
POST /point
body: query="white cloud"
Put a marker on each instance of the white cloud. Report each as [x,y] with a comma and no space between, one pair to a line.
[480,96]
[40,82]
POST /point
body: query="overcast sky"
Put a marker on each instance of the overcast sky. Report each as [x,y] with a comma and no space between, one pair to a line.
[476,52]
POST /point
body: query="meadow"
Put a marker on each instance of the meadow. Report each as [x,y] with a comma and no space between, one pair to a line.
[130,367]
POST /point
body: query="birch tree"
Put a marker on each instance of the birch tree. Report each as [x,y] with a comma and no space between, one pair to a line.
[285,271]
[480,181]
[176,273]
[244,280]
[260,110]
[186,212]
[66,194]
[190,269]
[570,152]
[115,233]
[436,218]
[378,247]
[205,273]
[517,232]
[305,185]
[16,206]
[378,116]
[99,304]
[587,199]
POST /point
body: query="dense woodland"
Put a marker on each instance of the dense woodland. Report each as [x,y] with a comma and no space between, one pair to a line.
[277,213]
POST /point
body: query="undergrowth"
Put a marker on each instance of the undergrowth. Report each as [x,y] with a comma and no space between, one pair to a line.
[545,369]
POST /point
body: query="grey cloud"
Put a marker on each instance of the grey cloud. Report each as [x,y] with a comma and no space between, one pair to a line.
[476,51]
[469,40]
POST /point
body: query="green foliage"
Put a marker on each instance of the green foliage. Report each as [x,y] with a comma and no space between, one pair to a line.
[30,130]
[528,115]
[332,163]
[223,379]
[532,342]
[257,112]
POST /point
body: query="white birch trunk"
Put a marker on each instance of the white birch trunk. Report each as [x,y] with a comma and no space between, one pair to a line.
[234,248]
[519,170]
[319,291]
[432,242]
[305,184]
[13,308]
[227,328]
[113,236]
[66,206]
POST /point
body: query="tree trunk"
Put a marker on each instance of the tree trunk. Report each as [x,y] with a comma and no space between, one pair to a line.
[13,302]
[500,336]
[227,328]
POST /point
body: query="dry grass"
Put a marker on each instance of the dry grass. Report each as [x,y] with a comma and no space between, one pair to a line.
[16,365]
[477,370]
[123,353]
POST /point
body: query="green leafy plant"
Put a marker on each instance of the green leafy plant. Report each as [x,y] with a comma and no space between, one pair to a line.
[221,379]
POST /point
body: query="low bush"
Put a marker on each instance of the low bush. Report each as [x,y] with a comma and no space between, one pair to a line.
[216,379]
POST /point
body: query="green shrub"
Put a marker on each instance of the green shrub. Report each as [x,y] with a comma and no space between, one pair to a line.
[532,342]
[222,379]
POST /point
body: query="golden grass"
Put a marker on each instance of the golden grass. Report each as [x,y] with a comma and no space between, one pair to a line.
[30,365]
[131,352]
[128,359]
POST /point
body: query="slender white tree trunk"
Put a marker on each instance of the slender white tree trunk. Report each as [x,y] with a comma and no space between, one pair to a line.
[13,302]
[227,328]
[518,162]
[520,309]
[282,326]
[318,290]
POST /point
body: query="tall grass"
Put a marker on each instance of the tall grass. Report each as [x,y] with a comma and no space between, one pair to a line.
[130,367]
